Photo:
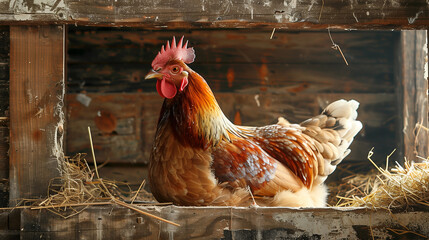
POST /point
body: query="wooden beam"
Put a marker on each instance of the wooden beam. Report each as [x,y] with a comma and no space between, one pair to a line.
[4,105]
[110,222]
[413,98]
[290,14]
[36,101]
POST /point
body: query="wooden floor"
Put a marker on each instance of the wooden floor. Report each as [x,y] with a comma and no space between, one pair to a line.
[112,222]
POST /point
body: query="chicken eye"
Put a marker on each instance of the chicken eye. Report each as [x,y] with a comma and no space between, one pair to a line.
[175,69]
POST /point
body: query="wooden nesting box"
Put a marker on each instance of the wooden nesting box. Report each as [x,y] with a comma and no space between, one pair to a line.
[66,65]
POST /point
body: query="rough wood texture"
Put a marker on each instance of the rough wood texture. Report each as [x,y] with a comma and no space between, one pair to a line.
[116,60]
[224,223]
[124,140]
[226,13]
[413,96]
[4,115]
[7,229]
[36,100]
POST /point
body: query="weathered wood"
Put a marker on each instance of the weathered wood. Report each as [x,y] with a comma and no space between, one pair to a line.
[6,230]
[222,14]
[4,103]
[36,101]
[116,60]
[123,143]
[116,45]
[225,223]
[4,115]
[132,174]
[413,98]
[246,77]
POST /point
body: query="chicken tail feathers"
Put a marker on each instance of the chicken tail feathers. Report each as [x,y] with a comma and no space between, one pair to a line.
[345,112]
[333,132]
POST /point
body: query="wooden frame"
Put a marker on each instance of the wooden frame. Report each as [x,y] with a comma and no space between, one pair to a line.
[109,222]
[414,99]
[35,153]
[373,14]
[36,115]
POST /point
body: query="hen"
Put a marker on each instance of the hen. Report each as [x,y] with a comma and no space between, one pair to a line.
[200,158]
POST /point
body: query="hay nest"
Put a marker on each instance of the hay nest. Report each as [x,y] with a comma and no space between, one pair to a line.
[79,188]
[400,187]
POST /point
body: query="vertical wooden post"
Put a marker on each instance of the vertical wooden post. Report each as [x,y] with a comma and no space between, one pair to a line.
[4,115]
[414,86]
[36,102]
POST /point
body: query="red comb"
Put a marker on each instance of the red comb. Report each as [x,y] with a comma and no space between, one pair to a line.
[179,52]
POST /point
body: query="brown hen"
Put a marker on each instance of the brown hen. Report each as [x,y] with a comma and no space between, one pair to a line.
[200,158]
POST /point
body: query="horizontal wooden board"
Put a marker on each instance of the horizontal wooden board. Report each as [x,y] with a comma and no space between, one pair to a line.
[107,222]
[116,45]
[310,78]
[221,14]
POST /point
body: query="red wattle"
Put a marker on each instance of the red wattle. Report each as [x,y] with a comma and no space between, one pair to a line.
[158,88]
[165,88]
[184,83]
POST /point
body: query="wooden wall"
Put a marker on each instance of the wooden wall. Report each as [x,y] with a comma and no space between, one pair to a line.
[255,79]
[4,114]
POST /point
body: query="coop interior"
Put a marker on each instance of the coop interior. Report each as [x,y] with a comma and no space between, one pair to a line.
[257,76]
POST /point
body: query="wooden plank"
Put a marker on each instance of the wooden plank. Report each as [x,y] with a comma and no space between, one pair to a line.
[36,101]
[413,94]
[121,142]
[132,174]
[4,115]
[4,103]
[107,222]
[222,14]
[271,77]
[9,224]
[116,45]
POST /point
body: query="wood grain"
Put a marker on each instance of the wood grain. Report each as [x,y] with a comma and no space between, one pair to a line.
[36,98]
[406,14]
[413,97]
[107,222]
[116,60]
[4,103]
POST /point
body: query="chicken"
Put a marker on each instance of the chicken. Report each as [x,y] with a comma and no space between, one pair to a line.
[201,158]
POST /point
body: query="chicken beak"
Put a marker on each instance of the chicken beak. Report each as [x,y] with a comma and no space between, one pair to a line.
[152,74]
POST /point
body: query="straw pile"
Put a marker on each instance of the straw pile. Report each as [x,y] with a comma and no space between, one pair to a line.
[76,189]
[80,187]
[401,187]
[350,185]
